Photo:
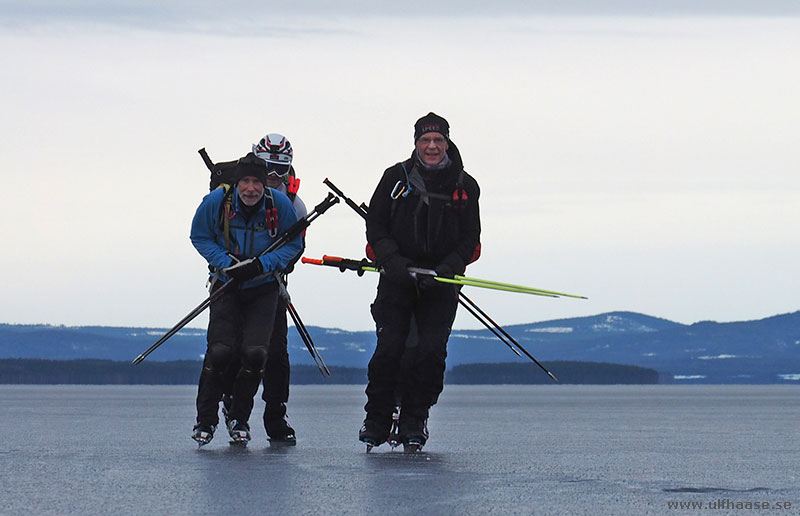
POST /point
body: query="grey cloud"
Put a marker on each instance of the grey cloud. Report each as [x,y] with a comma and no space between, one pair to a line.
[209,15]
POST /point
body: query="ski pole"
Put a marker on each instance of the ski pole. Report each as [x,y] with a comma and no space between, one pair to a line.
[298,324]
[484,283]
[303,331]
[183,322]
[485,323]
[296,229]
[519,287]
[365,265]
[361,266]
[345,264]
[475,282]
[361,210]
[551,375]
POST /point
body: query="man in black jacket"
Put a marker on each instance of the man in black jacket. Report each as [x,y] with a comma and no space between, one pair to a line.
[424,213]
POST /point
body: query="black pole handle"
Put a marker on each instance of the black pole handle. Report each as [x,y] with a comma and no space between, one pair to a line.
[206,159]
[361,210]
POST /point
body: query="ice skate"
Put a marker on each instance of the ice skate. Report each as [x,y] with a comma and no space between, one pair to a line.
[239,432]
[203,433]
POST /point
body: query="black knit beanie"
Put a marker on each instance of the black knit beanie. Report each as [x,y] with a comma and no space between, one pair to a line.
[431,123]
[251,165]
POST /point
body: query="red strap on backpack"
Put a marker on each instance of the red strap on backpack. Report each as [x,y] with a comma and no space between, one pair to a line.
[293,186]
[272,221]
[460,198]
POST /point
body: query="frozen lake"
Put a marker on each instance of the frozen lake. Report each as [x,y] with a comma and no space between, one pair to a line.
[621,450]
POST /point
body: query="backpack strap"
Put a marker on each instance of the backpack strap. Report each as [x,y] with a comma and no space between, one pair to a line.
[414,184]
[460,194]
[292,184]
[271,213]
[226,213]
[292,187]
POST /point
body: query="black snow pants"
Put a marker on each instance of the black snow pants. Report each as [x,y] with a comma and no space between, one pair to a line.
[419,382]
[276,368]
[239,327]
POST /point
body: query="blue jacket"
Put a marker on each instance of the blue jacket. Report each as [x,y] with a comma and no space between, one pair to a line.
[249,238]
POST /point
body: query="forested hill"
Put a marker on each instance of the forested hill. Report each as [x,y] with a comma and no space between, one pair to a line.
[186,372]
[761,351]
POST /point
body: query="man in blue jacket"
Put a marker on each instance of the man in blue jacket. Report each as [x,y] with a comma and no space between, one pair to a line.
[232,229]
[277,153]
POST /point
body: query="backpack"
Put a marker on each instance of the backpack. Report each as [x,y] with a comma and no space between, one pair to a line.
[223,172]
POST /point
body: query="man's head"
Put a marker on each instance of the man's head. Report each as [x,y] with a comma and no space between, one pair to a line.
[251,179]
[431,137]
[277,153]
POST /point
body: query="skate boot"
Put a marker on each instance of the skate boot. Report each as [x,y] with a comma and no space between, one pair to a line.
[375,431]
[239,432]
[279,432]
[414,432]
[227,403]
[203,433]
[395,439]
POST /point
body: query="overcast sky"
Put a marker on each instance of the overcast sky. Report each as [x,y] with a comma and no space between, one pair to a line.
[641,155]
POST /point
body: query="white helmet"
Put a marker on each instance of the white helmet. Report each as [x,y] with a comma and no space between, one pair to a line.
[276,150]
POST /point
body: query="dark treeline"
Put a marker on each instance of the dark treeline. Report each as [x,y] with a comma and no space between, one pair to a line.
[177,372]
[186,372]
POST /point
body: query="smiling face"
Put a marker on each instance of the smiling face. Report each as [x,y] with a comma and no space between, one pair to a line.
[250,190]
[431,148]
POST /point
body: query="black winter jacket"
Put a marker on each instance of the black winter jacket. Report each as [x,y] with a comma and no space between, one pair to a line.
[429,228]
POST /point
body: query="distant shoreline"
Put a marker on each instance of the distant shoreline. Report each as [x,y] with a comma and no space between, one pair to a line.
[23,371]
[764,351]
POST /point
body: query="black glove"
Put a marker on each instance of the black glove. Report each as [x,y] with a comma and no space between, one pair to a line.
[396,269]
[244,270]
[445,270]
[427,282]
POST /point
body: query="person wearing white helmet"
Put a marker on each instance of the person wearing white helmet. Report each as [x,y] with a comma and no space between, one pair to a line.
[277,153]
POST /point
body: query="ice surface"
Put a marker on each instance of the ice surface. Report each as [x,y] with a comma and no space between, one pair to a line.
[621,450]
